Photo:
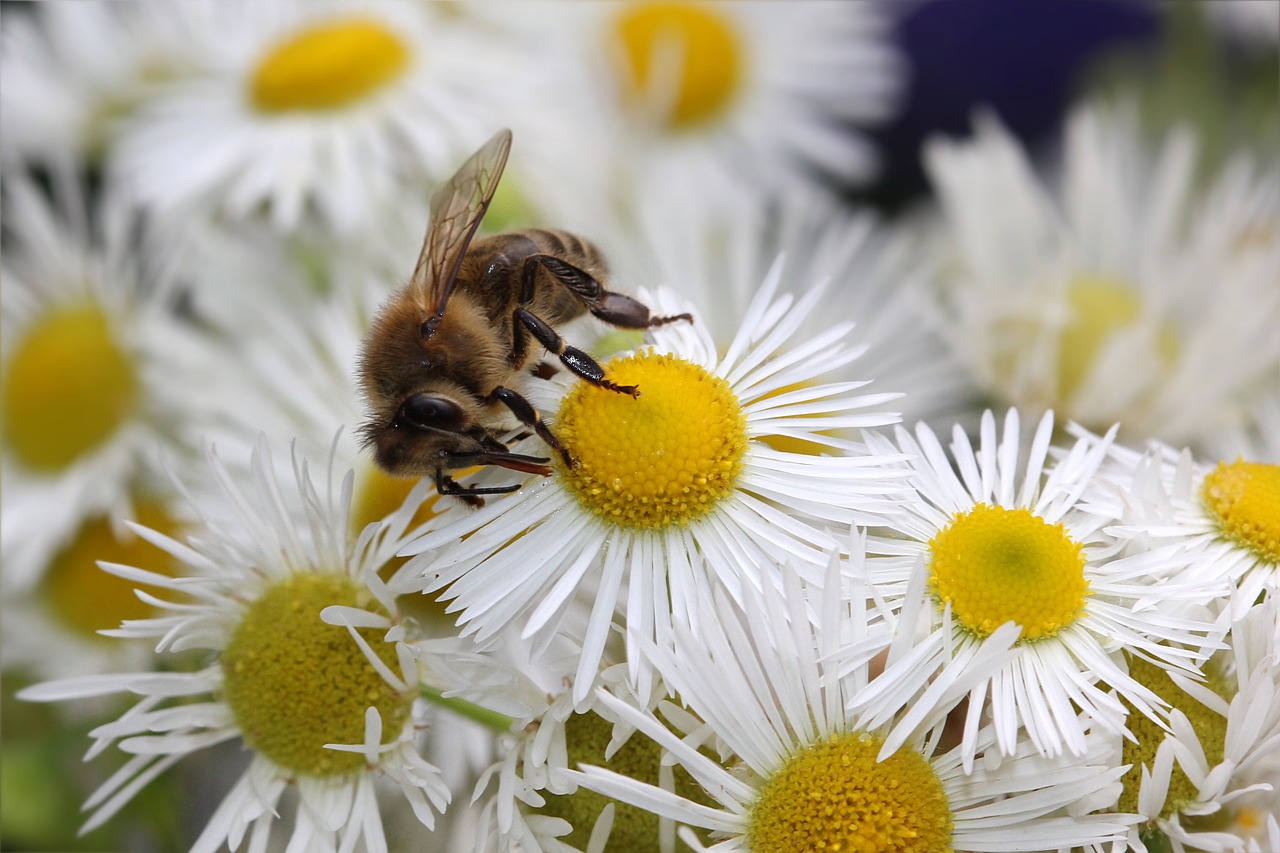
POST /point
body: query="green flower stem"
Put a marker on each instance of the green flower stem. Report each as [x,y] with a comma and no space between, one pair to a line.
[470,710]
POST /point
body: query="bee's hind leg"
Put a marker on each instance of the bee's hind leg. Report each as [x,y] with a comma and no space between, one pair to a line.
[616,309]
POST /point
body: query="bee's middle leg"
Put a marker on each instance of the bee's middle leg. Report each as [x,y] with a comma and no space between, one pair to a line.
[528,415]
[578,362]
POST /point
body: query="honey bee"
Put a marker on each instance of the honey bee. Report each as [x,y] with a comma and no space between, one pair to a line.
[437,366]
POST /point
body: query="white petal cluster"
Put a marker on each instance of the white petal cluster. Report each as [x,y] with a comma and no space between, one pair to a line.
[998,521]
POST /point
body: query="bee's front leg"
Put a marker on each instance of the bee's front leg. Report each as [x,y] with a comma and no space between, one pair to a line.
[446,485]
[528,415]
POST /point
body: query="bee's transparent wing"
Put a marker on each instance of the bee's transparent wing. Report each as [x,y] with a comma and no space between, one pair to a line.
[456,210]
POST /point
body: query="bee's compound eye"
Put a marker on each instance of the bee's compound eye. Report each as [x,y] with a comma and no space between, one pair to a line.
[431,411]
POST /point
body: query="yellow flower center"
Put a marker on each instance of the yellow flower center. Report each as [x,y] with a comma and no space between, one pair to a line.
[996,565]
[662,459]
[1099,309]
[68,386]
[295,683]
[1210,727]
[686,56]
[634,828]
[84,597]
[328,66]
[1244,498]
[834,797]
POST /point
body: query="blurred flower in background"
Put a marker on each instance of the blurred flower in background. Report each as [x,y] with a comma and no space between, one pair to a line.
[294,110]
[1122,292]
[1066,210]
[715,94]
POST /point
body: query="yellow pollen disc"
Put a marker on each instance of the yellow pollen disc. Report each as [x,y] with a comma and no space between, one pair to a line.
[1099,309]
[699,39]
[1244,498]
[328,66]
[587,736]
[84,597]
[834,797]
[295,683]
[1210,727]
[664,458]
[67,388]
[996,565]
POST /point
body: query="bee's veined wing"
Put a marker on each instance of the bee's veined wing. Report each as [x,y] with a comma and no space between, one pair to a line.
[457,207]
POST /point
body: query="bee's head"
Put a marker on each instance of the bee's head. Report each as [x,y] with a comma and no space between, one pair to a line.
[420,434]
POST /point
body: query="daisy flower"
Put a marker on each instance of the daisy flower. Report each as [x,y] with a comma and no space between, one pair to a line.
[1191,780]
[1229,511]
[681,476]
[1120,292]
[95,372]
[716,92]
[801,773]
[311,108]
[993,536]
[326,707]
